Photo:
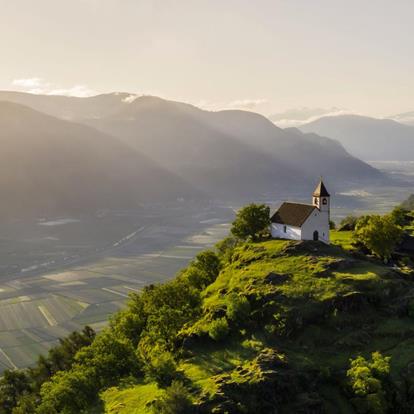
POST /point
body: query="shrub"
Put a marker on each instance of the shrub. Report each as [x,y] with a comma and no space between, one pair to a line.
[219,329]
[176,400]
[161,367]
[238,308]
[366,379]
[379,234]
[252,221]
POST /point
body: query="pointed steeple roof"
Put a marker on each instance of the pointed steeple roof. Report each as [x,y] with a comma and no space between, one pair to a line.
[320,190]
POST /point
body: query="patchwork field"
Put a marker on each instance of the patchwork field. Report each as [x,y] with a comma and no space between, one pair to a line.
[37,307]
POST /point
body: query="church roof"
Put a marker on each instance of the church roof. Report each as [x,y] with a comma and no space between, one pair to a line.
[292,214]
[320,190]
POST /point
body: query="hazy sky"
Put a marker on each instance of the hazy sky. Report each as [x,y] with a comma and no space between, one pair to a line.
[266,55]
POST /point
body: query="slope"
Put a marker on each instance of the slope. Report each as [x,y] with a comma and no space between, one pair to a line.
[50,166]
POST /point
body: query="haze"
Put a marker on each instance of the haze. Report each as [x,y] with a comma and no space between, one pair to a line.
[266,56]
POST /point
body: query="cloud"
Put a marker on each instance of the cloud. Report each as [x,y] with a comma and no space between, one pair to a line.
[243,104]
[404,118]
[39,86]
[130,98]
[298,116]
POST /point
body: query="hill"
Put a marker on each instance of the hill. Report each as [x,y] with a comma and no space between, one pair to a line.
[228,154]
[367,138]
[268,327]
[51,166]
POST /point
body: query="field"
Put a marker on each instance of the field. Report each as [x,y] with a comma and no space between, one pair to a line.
[49,297]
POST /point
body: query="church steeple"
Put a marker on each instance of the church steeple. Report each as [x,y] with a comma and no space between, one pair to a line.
[321,197]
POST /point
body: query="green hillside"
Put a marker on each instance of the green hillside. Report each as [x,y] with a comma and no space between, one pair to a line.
[267,327]
[308,309]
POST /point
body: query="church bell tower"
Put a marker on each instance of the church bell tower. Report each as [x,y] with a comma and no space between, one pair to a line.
[321,198]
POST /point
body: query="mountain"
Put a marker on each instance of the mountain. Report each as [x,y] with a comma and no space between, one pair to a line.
[228,154]
[51,166]
[404,118]
[367,138]
[188,141]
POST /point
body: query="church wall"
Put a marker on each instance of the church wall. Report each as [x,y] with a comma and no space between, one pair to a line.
[292,233]
[316,221]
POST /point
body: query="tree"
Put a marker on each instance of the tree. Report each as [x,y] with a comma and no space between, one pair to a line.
[13,385]
[348,223]
[332,225]
[400,216]
[367,379]
[251,221]
[379,234]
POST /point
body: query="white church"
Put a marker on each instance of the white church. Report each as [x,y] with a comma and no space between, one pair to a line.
[295,221]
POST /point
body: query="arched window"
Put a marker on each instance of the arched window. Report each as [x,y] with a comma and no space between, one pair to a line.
[316,200]
[324,201]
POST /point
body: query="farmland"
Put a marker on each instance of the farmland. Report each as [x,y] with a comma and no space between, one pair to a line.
[84,272]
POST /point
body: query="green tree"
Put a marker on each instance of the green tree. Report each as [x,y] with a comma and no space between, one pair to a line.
[176,400]
[13,385]
[379,234]
[348,223]
[367,379]
[252,221]
[400,216]
[332,225]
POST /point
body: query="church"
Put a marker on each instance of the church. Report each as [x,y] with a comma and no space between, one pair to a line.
[296,221]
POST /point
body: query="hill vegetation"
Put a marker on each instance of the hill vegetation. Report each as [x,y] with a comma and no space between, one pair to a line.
[265,326]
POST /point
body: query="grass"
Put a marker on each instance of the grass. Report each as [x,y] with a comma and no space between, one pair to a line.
[134,400]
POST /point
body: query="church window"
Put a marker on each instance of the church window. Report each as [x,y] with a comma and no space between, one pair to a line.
[316,201]
[324,201]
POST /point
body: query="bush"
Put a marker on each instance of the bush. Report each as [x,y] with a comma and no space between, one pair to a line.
[219,329]
[379,234]
[238,308]
[160,367]
[252,221]
[176,400]
[332,225]
[366,379]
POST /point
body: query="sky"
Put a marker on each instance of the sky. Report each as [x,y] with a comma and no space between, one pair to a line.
[269,56]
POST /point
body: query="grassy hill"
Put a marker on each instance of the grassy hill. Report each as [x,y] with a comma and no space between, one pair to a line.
[265,327]
[311,309]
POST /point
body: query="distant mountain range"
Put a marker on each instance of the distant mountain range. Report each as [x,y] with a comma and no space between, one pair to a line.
[119,150]
[51,166]
[367,138]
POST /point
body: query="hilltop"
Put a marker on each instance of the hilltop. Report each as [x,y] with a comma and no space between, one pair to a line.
[265,327]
